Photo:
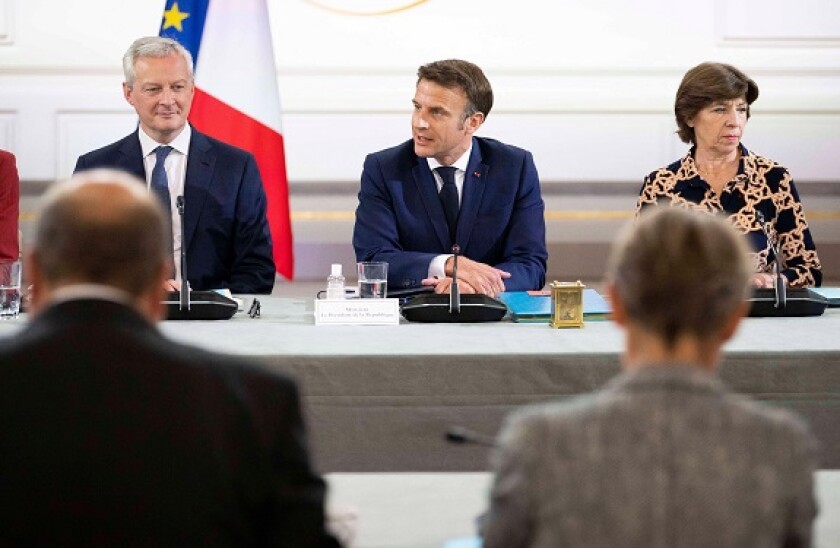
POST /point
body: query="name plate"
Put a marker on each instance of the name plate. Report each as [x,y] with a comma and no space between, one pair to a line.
[357,312]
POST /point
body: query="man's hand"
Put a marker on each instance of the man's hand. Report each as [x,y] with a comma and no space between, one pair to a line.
[171,285]
[443,285]
[482,278]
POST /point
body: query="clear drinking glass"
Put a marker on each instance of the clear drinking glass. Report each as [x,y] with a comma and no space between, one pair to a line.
[10,275]
[373,280]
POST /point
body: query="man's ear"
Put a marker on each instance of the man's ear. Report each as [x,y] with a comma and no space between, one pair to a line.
[473,122]
[38,287]
[619,313]
[150,302]
[127,91]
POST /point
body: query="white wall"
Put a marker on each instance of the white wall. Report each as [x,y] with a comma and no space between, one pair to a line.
[588,86]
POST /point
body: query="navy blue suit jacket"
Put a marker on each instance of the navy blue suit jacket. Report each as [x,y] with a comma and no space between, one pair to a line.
[226,236]
[400,219]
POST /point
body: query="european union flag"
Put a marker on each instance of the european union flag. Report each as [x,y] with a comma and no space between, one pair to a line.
[183,20]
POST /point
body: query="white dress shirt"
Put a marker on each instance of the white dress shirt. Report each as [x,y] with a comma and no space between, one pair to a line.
[176,173]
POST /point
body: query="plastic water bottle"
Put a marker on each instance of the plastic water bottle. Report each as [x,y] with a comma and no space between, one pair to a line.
[335,283]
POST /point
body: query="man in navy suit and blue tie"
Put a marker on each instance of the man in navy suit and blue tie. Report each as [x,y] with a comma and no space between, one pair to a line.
[226,235]
[448,187]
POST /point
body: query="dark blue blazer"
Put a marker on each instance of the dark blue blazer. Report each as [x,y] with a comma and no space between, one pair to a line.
[400,219]
[226,236]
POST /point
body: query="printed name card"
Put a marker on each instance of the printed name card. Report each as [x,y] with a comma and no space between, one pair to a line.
[357,312]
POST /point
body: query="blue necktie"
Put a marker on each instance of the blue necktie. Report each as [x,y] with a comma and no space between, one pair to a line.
[160,188]
[160,184]
[449,198]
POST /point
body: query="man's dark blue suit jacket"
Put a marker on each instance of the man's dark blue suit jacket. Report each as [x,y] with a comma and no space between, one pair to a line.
[226,236]
[400,219]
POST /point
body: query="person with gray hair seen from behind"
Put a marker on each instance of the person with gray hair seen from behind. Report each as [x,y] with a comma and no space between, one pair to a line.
[664,455]
[115,435]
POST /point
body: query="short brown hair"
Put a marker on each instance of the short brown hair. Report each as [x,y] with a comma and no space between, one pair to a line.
[455,73]
[102,227]
[680,272]
[708,83]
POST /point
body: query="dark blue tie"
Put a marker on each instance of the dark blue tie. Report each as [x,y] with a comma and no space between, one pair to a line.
[160,184]
[160,187]
[449,198]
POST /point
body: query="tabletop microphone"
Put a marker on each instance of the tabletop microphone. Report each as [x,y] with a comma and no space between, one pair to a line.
[778,279]
[197,305]
[454,292]
[453,308]
[184,295]
[461,435]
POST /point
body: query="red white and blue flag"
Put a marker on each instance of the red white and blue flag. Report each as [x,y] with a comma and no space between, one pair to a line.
[236,97]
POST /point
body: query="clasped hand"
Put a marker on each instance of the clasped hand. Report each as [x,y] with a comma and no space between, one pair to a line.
[765,279]
[473,277]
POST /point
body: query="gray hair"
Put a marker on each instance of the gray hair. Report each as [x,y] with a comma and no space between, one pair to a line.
[680,272]
[102,227]
[153,46]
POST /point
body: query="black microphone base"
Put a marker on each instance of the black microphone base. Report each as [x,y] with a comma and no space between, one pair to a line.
[204,305]
[435,309]
[799,302]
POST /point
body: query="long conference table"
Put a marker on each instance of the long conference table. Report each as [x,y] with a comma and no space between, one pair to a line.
[380,398]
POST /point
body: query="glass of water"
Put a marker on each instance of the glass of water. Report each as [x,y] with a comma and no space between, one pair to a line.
[373,280]
[9,289]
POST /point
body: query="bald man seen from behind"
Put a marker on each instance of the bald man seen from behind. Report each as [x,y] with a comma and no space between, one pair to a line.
[115,435]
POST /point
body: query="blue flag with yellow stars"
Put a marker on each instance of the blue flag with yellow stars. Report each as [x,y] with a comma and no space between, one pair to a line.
[183,20]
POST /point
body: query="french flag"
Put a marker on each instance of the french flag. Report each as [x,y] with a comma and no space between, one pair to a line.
[236,97]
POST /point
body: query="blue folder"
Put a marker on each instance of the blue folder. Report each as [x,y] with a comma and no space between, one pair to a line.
[527,306]
[830,293]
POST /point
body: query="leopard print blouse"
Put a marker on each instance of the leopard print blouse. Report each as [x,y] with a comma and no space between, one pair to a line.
[760,185]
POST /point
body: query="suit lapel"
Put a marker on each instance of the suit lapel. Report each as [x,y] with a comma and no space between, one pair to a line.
[131,156]
[200,164]
[475,181]
[427,188]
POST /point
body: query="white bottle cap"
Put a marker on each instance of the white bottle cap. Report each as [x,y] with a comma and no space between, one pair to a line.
[336,270]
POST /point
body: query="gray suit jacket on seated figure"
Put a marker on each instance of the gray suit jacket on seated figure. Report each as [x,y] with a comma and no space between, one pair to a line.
[114,435]
[662,457]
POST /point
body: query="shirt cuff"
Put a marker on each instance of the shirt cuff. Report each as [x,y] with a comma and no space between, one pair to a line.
[437,268]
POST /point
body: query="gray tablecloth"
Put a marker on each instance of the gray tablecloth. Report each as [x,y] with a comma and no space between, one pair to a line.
[381,398]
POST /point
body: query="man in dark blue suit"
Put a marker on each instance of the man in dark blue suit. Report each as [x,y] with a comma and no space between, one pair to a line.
[226,235]
[447,187]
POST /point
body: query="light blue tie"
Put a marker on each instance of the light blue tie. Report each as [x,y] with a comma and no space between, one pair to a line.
[160,188]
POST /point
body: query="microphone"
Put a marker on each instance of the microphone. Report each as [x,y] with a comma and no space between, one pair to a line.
[461,435]
[778,280]
[454,292]
[434,308]
[184,296]
[781,301]
[198,305]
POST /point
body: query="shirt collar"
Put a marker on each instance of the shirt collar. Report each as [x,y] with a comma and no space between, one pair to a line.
[181,143]
[100,292]
[460,163]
